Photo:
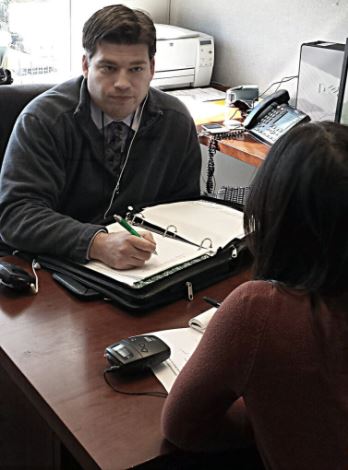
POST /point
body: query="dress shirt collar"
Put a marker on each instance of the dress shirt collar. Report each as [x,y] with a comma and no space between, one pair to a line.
[97,117]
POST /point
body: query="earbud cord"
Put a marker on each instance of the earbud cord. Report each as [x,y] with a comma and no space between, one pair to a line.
[125,392]
[34,267]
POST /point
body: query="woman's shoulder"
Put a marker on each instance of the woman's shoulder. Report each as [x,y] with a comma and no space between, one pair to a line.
[263,289]
[264,297]
[259,300]
[257,289]
[249,302]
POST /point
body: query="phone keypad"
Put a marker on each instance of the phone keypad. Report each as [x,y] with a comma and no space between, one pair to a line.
[267,127]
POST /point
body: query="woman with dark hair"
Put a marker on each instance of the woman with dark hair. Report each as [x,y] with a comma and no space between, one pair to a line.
[275,354]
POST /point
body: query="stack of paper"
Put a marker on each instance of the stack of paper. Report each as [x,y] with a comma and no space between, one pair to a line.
[199,94]
[204,104]
[182,343]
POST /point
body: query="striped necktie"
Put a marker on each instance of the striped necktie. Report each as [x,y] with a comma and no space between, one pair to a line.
[116,137]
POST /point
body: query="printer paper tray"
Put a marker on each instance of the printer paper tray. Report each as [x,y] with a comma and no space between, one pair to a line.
[183,77]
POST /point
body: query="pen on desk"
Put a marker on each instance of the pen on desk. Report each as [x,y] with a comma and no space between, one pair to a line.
[128,227]
[212,302]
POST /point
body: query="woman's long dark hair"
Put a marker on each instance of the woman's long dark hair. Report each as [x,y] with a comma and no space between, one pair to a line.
[297,212]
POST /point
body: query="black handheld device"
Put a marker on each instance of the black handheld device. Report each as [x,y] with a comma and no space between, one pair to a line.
[76,287]
[214,128]
[14,277]
[136,353]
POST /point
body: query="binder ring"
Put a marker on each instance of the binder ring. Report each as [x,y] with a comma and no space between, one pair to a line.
[135,219]
[206,241]
[130,214]
[172,228]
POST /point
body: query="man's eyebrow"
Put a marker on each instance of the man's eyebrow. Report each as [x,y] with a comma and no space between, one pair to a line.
[113,62]
[138,62]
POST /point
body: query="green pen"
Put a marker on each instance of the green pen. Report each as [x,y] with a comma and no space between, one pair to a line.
[128,227]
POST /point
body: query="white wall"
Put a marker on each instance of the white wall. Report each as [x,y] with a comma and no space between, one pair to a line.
[258,42]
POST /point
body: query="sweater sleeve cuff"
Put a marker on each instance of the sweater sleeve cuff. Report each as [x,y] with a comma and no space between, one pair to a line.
[92,240]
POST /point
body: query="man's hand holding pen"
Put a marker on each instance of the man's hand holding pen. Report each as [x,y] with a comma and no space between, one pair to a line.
[122,250]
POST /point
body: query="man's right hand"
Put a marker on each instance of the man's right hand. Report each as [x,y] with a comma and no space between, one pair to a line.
[121,250]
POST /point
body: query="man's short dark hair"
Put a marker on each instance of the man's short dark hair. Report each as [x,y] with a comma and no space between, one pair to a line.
[120,25]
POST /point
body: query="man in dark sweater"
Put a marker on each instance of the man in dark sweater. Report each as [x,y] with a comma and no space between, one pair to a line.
[90,147]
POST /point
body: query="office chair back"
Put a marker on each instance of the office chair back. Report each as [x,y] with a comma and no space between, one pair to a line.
[13,99]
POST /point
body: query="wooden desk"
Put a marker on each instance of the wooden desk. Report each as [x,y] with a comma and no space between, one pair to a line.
[52,347]
[245,148]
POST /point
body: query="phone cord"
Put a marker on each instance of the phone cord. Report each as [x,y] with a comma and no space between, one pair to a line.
[212,147]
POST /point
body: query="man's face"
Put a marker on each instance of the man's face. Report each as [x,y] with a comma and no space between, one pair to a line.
[118,77]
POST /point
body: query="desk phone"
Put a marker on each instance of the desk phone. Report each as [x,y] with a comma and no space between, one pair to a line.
[273,117]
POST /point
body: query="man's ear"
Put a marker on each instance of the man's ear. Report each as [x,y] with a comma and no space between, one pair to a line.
[84,65]
[152,66]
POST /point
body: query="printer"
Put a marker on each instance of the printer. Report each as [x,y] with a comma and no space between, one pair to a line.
[184,58]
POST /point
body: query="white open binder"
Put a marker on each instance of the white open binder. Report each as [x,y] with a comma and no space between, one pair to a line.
[186,232]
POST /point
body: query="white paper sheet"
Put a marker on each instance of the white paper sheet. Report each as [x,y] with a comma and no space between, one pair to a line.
[170,253]
[197,220]
[182,343]
[199,94]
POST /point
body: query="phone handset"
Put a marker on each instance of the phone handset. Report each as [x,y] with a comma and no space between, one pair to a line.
[5,76]
[260,110]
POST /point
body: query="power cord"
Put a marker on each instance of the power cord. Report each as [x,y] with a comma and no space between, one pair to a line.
[283,80]
[230,118]
[124,392]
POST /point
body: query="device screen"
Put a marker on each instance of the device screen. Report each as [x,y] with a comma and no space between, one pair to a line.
[123,351]
[213,125]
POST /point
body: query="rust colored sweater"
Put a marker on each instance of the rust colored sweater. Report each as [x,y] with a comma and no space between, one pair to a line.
[292,376]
